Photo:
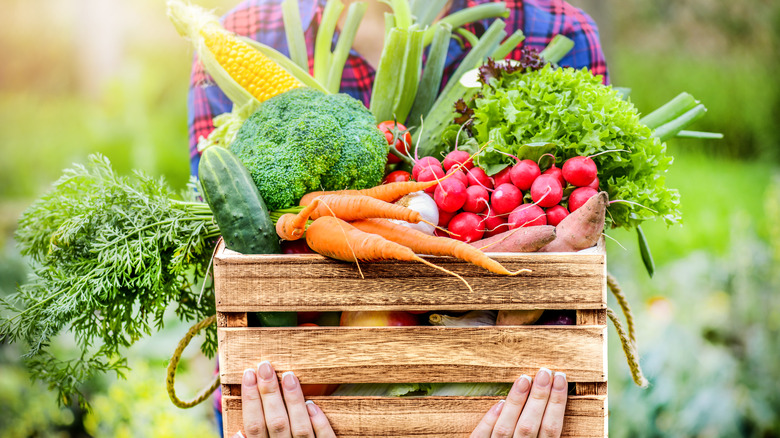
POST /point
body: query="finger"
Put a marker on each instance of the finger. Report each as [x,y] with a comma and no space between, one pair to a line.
[485,426]
[319,421]
[531,418]
[300,424]
[505,426]
[252,406]
[276,420]
[552,423]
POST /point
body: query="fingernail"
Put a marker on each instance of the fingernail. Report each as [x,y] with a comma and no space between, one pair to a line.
[543,377]
[238,434]
[289,381]
[523,383]
[249,377]
[312,408]
[265,371]
[559,383]
[498,406]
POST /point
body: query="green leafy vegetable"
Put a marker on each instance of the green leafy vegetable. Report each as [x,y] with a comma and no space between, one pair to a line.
[110,255]
[573,110]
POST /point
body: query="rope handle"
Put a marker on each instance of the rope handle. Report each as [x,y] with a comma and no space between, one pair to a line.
[627,337]
[174,364]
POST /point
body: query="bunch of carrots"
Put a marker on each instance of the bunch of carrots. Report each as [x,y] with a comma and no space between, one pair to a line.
[355,226]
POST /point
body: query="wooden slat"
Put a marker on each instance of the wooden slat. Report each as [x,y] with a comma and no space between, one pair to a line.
[309,282]
[593,317]
[415,354]
[427,417]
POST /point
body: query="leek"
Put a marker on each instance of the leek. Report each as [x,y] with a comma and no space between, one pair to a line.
[386,82]
[434,69]
[669,111]
[508,45]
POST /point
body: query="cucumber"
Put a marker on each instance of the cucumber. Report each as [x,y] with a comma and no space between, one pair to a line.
[236,203]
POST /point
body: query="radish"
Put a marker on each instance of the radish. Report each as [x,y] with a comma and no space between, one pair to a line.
[502,177]
[505,198]
[579,197]
[424,163]
[430,174]
[478,177]
[476,199]
[555,214]
[527,215]
[467,227]
[556,172]
[459,175]
[457,157]
[594,184]
[546,191]
[444,217]
[524,173]
[450,195]
[579,171]
[493,224]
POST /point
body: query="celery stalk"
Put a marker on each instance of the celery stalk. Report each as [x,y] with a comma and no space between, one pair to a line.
[354,16]
[425,11]
[557,49]
[440,115]
[389,23]
[410,75]
[296,41]
[670,129]
[468,36]
[508,45]
[402,12]
[669,111]
[386,82]
[324,40]
[468,15]
[431,79]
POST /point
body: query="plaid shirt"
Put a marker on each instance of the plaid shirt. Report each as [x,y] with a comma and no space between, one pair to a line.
[261,20]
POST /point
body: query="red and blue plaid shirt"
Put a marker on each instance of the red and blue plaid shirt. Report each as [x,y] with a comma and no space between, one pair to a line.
[261,20]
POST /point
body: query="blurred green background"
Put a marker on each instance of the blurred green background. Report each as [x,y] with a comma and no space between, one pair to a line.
[110,76]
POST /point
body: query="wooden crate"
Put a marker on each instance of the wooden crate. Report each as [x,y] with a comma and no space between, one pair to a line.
[256,283]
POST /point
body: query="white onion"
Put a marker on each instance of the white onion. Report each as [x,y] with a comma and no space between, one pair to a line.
[423,204]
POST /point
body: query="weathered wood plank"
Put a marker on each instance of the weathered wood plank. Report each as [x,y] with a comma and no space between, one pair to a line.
[593,317]
[310,282]
[415,354]
[427,417]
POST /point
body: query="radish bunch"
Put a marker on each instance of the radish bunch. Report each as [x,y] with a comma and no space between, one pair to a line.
[473,205]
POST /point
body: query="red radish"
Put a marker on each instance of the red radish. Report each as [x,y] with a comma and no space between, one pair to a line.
[493,224]
[397,176]
[457,157]
[524,173]
[527,215]
[467,227]
[502,177]
[441,233]
[579,197]
[377,319]
[296,247]
[450,195]
[424,163]
[505,198]
[478,177]
[476,199]
[594,184]
[459,175]
[546,191]
[444,217]
[556,172]
[308,318]
[430,174]
[555,214]
[579,171]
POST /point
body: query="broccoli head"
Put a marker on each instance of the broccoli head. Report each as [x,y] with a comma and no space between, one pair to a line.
[304,140]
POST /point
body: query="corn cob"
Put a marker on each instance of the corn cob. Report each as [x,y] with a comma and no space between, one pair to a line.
[255,72]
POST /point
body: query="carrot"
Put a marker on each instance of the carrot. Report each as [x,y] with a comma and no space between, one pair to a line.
[386,192]
[292,226]
[582,228]
[522,239]
[423,243]
[334,238]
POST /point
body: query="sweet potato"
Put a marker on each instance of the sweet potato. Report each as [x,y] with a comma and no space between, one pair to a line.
[523,239]
[582,228]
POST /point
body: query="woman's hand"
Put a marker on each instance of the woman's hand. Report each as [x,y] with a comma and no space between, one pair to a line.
[532,409]
[273,412]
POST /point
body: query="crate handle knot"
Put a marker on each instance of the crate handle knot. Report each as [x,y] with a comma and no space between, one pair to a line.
[170,378]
